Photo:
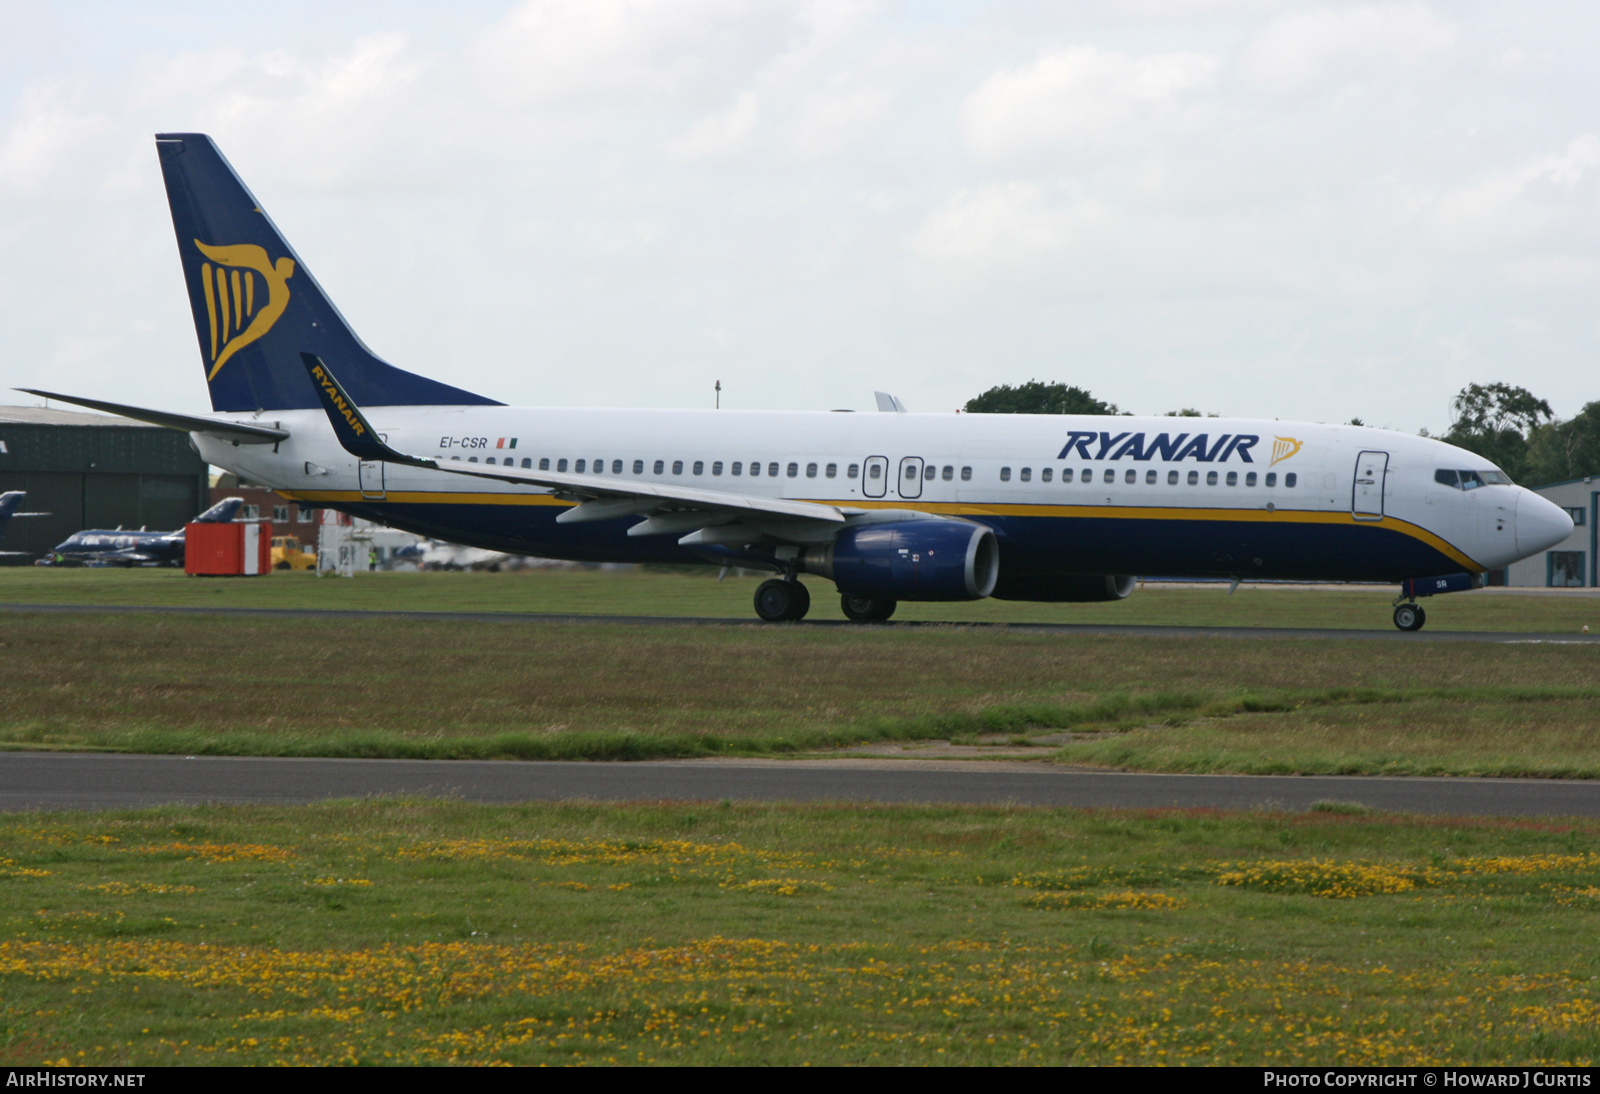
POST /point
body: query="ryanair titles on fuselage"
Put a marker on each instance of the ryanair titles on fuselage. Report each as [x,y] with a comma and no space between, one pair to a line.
[1115,446]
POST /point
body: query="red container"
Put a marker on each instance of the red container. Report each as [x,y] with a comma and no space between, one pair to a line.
[238,548]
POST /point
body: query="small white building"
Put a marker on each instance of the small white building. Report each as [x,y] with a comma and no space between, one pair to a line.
[1570,563]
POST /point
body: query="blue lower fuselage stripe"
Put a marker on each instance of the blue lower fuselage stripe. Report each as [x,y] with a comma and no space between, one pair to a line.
[1306,550]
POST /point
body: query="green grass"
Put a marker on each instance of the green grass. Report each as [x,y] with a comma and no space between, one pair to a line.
[651,592]
[425,932]
[439,689]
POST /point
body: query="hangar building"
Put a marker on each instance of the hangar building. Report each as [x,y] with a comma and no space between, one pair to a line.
[94,471]
[1570,563]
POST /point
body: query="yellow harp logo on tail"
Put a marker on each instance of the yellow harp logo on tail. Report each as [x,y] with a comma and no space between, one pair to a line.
[232,296]
[1283,448]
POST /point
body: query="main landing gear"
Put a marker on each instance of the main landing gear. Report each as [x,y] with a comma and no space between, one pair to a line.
[867,609]
[782,600]
[1410,617]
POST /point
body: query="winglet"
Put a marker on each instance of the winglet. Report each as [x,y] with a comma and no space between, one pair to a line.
[355,433]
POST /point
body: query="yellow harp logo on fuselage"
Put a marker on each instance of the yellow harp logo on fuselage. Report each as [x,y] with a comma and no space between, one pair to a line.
[1283,448]
[232,298]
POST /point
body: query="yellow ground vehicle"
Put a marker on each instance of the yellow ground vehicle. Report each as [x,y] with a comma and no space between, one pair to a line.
[287,554]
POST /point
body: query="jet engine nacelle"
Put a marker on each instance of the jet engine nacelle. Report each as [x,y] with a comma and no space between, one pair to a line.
[910,560]
[1064,588]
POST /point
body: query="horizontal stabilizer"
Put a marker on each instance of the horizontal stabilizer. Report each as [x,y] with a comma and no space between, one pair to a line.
[238,432]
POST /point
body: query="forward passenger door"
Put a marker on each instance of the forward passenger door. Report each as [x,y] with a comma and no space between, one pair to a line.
[1366,496]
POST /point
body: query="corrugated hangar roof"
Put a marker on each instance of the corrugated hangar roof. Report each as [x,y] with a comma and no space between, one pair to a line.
[38,415]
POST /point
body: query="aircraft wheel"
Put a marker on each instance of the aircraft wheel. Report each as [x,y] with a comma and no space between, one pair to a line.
[779,601]
[1410,617]
[867,609]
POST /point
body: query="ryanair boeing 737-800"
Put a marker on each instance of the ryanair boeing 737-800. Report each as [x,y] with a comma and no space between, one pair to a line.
[889,506]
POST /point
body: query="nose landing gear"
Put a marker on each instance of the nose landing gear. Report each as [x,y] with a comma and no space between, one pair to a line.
[1409,617]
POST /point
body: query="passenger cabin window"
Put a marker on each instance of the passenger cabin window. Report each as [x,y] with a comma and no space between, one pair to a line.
[1233,478]
[638,467]
[966,474]
[874,471]
[677,467]
[737,468]
[1250,478]
[1045,473]
[616,467]
[1172,478]
[948,473]
[1088,475]
[1110,475]
[491,460]
[528,463]
[1131,477]
[1271,479]
[661,467]
[716,467]
[1066,474]
[1289,480]
[852,471]
[561,465]
[474,459]
[1194,478]
[1005,474]
[772,470]
[544,463]
[579,466]
[794,470]
[1027,474]
[1150,478]
[1211,478]
[699,467]
[755,469]
[832,471]
[811,470]
[930,472]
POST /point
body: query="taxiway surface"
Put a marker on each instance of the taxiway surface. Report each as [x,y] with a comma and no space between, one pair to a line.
[34,780]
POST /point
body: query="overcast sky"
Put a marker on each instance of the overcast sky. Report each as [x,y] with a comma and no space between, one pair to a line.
[1286,210]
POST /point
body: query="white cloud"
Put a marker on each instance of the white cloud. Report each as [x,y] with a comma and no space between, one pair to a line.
[721,133]
[1503,201]
[993,225]
[1301,47]
[1079,95]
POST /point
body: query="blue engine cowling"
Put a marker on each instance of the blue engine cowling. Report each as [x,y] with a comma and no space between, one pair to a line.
[910,560]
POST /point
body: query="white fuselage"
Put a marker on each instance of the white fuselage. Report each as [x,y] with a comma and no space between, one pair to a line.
[1015,470]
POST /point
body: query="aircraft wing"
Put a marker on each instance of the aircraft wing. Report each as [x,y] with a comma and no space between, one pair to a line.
[671,508]
[237,432]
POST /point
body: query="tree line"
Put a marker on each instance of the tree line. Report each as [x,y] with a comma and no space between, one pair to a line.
[1509,425]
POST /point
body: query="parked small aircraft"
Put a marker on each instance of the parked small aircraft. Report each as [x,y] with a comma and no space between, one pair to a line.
[118,547]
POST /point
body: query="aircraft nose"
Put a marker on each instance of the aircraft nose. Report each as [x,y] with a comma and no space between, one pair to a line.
[1540,523]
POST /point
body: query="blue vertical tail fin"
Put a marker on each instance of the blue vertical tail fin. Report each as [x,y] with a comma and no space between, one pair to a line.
[256,306]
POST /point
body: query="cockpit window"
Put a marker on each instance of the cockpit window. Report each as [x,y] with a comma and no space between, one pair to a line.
[1471,480]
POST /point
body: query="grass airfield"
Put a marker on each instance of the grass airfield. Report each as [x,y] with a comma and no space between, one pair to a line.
[199,684]
[434,932]
[440,932]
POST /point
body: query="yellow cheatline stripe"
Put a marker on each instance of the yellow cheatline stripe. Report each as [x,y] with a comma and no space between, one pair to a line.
[963,509]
